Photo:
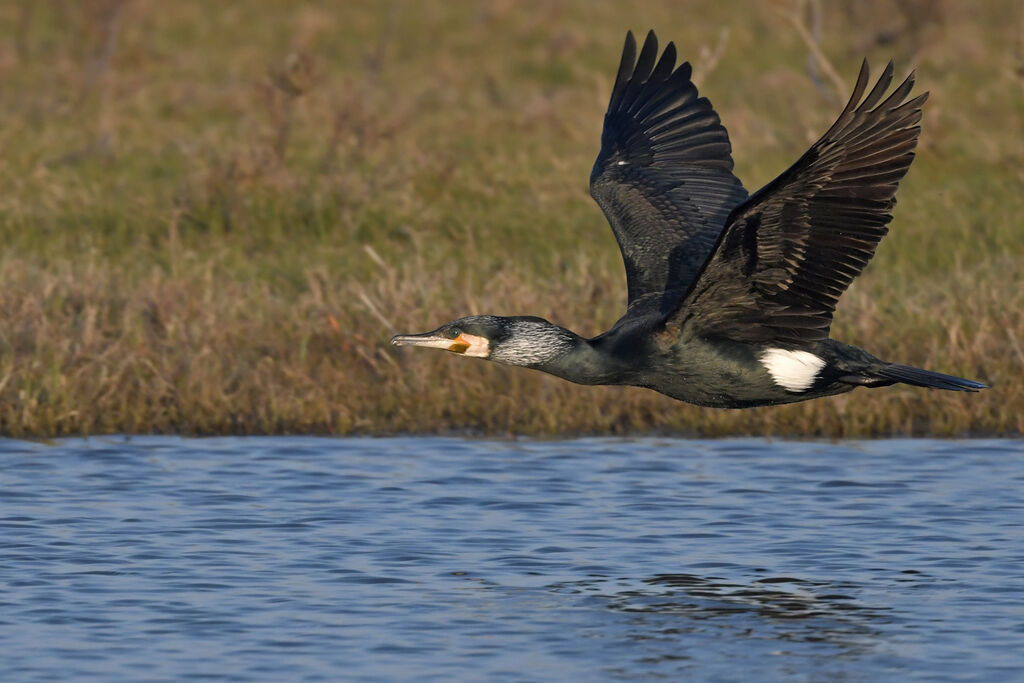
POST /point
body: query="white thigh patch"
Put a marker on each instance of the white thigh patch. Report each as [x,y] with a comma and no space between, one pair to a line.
[792,370]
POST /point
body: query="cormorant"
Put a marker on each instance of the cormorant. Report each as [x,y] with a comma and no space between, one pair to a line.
[730,296]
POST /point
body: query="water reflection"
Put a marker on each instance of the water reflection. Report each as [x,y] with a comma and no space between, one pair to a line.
[765,597]
[780,608]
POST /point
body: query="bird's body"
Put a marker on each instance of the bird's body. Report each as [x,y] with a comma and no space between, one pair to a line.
[730,296]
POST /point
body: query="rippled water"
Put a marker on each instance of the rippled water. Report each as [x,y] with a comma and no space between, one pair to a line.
[320,559]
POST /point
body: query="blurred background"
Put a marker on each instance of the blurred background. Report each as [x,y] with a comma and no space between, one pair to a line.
[215,215]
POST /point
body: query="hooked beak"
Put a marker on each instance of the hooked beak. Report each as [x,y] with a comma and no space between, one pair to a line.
[432,340]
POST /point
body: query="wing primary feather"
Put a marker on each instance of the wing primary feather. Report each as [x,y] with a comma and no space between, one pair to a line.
[659,75]
[665,65]
[879,90]
[677,92]
[642,69]
[645,63]
[858,92]
[892,102]
[625,70]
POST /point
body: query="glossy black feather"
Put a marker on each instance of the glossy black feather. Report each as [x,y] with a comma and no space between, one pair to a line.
[664,175]
[788,253]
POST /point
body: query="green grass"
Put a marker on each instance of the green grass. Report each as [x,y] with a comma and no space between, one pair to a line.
[215,216]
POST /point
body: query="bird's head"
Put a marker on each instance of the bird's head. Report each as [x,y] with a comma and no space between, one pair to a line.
[520,340]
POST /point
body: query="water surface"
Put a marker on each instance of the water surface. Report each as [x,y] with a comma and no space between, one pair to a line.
[326,559]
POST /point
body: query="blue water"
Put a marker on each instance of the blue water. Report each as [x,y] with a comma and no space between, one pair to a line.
[440,559]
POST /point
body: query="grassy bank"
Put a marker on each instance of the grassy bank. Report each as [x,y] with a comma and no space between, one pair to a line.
[214,217]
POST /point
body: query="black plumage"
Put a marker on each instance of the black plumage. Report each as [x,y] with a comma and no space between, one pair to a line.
[663,177]
[787,254]
[730,297]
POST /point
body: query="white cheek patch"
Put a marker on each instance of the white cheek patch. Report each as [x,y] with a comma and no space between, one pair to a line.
[792,370]
[479,347]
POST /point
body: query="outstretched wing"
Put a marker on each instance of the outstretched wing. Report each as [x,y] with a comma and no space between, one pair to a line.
[789,252]
[664,175]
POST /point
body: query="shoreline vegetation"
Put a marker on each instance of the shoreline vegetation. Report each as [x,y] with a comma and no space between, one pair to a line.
[214,219]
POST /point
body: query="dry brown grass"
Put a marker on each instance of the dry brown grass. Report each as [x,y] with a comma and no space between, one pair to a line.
[215,218]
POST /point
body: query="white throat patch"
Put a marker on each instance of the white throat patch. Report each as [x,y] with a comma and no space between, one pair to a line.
[792,370]
[478,347]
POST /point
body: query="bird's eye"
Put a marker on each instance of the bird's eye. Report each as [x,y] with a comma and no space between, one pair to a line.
[454,332]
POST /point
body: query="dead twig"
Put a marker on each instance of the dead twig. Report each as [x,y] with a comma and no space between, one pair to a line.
[373,309]
[711,56]
[797,18]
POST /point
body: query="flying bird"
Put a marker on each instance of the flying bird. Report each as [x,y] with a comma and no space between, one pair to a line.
[730,295]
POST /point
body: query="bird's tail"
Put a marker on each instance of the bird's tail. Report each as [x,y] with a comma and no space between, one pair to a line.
[926,378]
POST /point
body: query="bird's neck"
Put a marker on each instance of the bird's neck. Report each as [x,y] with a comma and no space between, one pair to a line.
[561,352]
[586,363]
